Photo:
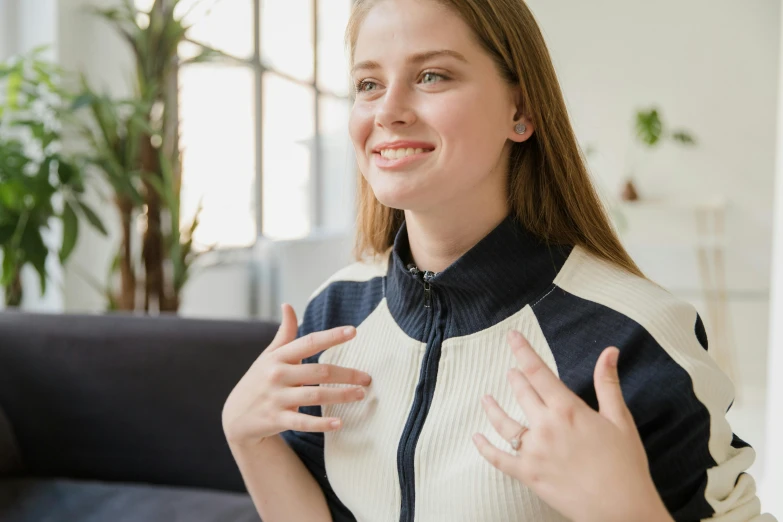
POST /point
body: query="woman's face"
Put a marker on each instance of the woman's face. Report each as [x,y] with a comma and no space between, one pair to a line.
[432,116]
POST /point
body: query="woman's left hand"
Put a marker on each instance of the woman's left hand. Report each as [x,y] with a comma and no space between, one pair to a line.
[588,465]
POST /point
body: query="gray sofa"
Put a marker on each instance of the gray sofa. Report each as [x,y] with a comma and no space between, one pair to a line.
[117,418]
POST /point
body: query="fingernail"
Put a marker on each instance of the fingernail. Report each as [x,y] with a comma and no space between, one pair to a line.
[366,380]
[613,357]
[348,331]
[335,424]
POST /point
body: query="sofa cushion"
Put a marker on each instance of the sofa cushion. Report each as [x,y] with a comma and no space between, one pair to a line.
[70,500]
[10,459]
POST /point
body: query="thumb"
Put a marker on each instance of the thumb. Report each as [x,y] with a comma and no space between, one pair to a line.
[607,389]
[288,328]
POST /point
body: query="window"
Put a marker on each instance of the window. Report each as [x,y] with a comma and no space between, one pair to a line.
[265,138]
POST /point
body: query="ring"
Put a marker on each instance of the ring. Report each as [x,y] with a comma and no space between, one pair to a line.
[515,441]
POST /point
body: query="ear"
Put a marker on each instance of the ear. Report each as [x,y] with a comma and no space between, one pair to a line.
[520,116]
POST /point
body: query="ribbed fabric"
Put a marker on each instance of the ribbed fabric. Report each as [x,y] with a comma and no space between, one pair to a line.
[405,452]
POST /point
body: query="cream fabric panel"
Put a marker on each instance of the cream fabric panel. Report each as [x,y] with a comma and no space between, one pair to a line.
[361,458]
[453,481]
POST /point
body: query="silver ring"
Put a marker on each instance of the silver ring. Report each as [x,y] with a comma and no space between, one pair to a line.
[516,441]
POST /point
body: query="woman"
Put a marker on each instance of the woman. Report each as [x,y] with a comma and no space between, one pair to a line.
[484,248]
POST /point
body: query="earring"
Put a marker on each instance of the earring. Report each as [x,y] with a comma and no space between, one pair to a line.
[520,128]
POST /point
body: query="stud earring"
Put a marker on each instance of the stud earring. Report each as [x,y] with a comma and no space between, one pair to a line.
[520,128]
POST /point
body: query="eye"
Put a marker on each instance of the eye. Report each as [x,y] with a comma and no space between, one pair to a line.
[361,86]
[429,75]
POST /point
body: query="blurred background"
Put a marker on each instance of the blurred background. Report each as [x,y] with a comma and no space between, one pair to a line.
[193,157]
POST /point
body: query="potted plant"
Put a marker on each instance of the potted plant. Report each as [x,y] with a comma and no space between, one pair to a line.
[650,132]
[135,144]
[39,184]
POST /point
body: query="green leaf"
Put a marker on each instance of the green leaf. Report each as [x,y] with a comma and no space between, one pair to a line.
[649,127]
[83,100]
[35,252]
[70,232]
[65,171]
[93,218]
[6,233]
[684,137]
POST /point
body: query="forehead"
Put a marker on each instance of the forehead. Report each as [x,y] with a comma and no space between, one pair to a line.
[395,28]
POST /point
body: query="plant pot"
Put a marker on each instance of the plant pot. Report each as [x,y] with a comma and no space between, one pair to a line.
[629,192]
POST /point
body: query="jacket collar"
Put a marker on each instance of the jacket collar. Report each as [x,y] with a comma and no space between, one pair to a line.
[500,275]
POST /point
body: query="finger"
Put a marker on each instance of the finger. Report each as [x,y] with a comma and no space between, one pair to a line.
[287,331]
[608,391]
[319,395]
[501,460]
[315,343]
[506,427]
[325,374]
[548,386]
[526,395]
[302,422]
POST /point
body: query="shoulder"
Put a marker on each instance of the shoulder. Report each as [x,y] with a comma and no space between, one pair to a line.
[592,289]
[347,297]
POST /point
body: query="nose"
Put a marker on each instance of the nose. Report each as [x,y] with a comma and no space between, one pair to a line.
[395,109]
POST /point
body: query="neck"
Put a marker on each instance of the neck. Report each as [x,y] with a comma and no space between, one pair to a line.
[438,238]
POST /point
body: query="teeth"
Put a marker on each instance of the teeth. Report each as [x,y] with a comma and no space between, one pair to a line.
[399,153]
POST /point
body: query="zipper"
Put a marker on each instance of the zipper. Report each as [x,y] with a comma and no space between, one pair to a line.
[433,334]
[425,277]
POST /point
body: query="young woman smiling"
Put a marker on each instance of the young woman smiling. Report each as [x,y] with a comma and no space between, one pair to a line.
[482,248]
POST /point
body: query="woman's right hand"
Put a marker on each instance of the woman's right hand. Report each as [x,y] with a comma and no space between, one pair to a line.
[266,400]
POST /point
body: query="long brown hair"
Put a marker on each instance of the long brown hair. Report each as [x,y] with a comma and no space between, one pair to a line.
[550,191]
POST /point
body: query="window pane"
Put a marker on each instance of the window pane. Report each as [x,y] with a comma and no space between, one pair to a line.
[218,171]
[338,164]
[287,37]
[289,127]
[226,25]
[332,54]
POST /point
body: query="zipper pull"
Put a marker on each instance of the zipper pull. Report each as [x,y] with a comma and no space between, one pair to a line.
[428,288]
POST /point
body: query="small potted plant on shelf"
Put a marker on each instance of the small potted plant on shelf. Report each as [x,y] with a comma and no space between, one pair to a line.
[39,183]
[650,132]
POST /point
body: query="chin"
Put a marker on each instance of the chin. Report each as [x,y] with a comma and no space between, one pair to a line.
[398,194]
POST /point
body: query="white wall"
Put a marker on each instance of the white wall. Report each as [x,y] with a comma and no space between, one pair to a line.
[773,479]
[712,67]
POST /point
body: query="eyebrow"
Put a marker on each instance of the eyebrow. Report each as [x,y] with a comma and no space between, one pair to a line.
[413,59]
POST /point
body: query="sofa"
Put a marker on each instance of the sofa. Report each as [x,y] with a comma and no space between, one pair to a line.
[118,417]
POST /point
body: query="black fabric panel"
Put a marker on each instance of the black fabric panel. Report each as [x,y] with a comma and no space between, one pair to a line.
[701,333]
[674,425]
[125,398]
[342,303]
[738,443]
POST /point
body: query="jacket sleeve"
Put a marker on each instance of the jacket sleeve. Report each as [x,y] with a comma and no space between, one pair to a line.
[310,446]
[698,464]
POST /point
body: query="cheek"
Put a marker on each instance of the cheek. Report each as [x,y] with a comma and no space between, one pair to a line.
[474,133]
[359,127]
